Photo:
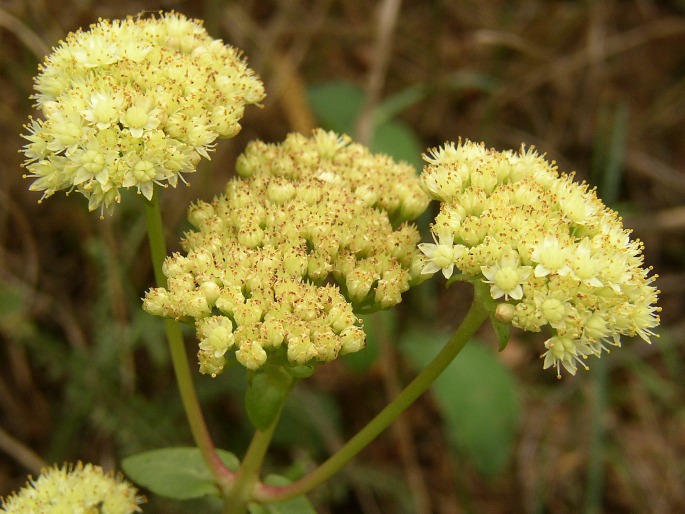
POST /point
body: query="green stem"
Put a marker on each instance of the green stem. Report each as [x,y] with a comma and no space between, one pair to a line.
[179,358]
[475,317]
[595,473]
[248,474]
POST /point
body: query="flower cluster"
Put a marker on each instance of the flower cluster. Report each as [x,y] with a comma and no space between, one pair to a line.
[83,489]
[133,103]
[375,179]
[259,269]
[544,244]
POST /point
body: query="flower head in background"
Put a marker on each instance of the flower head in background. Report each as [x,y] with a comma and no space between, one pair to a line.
[83,489]
[545,245]
[133,103]
[278,261]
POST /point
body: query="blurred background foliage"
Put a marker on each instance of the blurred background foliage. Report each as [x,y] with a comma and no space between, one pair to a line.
[599,86]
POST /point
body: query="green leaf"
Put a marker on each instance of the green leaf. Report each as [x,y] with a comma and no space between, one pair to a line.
[309,417]
[301,371]
[178,473]
[395,104]
[398,141]
[502,331]
[265,395]
[336,105]
[478,399]
[297,505]
[609,151]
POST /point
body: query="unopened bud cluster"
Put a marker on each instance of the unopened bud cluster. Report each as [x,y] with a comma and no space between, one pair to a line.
[276,263]
[543,243]
[376,180]
[79,488]
[133,103]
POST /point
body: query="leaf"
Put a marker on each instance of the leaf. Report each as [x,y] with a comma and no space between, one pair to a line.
[395,104]
[309,417]
[265,395]
[609,151]
[178,473]
[336,105]
[502,331]
[301,371]
[398,141]
[477,396]
[297,505]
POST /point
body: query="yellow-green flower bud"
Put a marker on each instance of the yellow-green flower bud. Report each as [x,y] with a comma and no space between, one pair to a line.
[247,314]
[504,312]
[359,282]
[340,316]
[251,236]
[211,291]
[301,350]
[326,343]
[273,330]
[352,339]
[390,286]
[295,261]
[155,302]
[251,355]
[195,304]
[318,266]
[280,192]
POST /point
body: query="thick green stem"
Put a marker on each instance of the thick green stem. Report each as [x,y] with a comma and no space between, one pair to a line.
[179,358]
[475,317]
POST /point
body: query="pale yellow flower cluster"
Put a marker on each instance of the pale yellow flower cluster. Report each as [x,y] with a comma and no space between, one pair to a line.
[74,490]
[544,244]
[133,103]
[259,271]
[375,179]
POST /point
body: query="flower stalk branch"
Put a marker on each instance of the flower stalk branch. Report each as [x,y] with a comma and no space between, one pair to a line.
[191,405]
[475,317]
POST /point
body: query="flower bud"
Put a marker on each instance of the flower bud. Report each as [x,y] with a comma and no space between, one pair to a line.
[504,312]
